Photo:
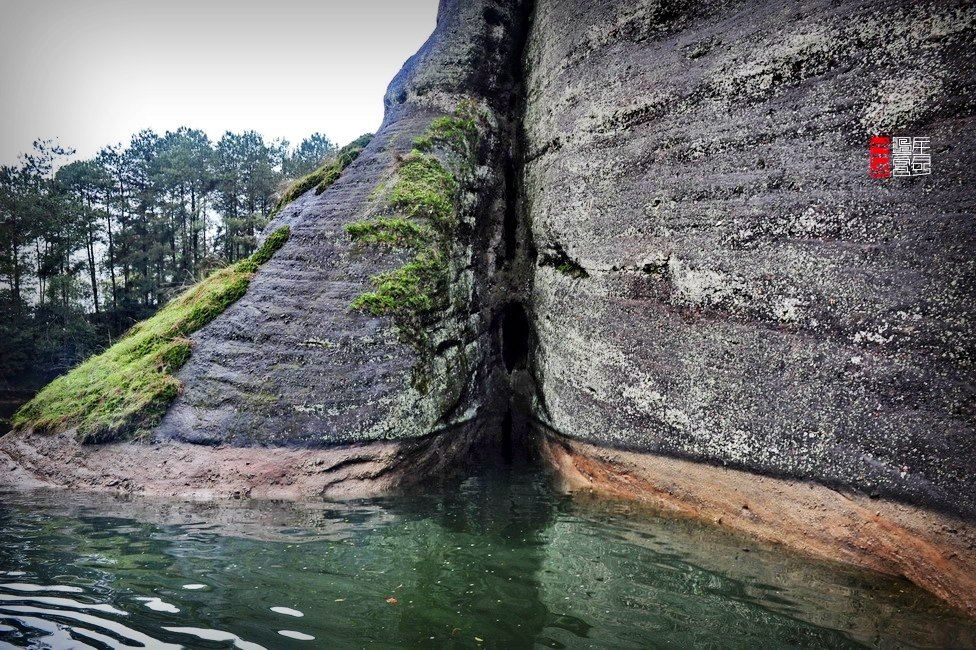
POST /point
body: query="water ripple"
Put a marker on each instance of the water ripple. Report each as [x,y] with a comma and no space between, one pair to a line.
[22,586]
[216,635]
[117,629]
[62,602]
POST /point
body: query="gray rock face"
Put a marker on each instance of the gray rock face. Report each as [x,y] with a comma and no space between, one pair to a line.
[291,363]
[669,244]
[752,297]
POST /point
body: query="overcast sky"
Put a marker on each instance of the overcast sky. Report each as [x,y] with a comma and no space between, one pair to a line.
[92,72]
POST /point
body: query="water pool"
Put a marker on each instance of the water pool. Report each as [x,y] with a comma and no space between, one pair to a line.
[499,560]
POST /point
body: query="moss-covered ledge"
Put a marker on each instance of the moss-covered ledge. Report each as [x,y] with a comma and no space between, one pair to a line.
[325,175]
[125,391]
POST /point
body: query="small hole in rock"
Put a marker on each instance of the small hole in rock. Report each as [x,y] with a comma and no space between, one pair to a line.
[493,16]
[515,337]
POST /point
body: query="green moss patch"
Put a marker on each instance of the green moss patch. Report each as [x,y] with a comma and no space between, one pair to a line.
[423,201]
[559,260]
[423,197]
[327,174]
[425,190]
[126,390]
[458,130]
[393,231]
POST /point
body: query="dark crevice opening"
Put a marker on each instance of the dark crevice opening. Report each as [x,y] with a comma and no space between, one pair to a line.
[511,222]
[516,335]
[516,338]
[493,16]
[444,346]
[558,259]
[508,417]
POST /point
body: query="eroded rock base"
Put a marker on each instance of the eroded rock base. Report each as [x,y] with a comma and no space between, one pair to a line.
[933,550]
[190,471]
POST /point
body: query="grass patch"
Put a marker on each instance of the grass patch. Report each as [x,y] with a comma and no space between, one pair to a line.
[327,174]
[425,190]
[126,390]
[424,201]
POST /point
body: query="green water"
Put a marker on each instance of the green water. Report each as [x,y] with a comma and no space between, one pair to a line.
[497,561]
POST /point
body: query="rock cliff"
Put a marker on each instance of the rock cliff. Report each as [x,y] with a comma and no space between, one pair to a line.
[734,286]
[645,228]
[292,362]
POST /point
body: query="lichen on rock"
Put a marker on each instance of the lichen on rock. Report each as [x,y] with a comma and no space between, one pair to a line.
[755,298]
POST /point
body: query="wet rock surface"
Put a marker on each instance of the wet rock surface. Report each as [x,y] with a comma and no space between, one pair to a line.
[718,278]
[934,550]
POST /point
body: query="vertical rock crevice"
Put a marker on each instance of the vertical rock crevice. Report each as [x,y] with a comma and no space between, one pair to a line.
[514,333]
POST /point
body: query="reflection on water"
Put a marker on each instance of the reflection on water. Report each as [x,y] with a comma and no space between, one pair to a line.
[497,561]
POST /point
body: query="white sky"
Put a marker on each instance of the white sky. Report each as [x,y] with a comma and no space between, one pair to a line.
[92,72]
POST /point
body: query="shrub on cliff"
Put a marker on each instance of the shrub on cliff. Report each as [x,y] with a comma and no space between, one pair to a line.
[424,204]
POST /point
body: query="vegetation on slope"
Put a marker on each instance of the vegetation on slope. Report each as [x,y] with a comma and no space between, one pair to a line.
[423,201]
[458,131]
[126,390]
[325,175]
[90,247]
